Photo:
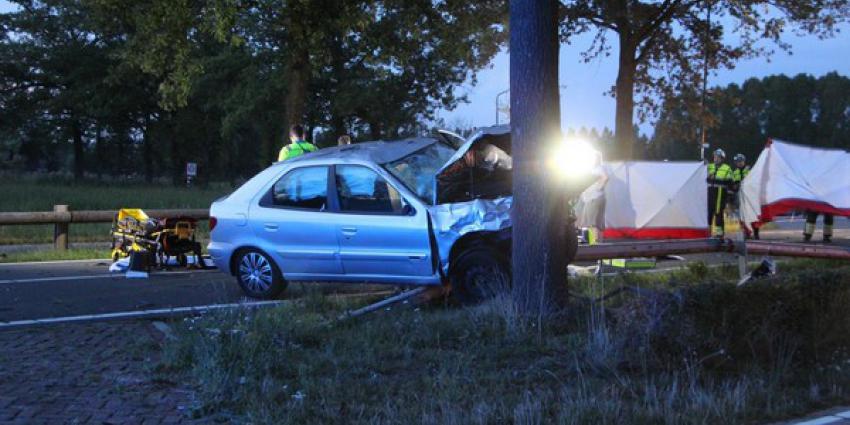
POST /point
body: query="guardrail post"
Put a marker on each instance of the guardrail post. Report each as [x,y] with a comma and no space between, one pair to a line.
[60,230]
[742,256]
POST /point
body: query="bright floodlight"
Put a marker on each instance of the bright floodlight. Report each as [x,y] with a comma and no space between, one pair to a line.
[574,157]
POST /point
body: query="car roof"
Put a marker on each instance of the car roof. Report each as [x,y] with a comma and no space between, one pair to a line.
[379,152]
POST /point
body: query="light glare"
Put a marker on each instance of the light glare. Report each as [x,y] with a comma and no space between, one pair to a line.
[574,157]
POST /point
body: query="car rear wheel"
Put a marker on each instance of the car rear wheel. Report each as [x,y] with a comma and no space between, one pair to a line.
[258,275]
[477,274]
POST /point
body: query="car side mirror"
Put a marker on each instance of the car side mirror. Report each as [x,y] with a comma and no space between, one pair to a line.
[406,209]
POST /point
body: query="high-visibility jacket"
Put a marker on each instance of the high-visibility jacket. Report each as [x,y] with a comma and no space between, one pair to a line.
[719,175]
[738,174]
[294,149]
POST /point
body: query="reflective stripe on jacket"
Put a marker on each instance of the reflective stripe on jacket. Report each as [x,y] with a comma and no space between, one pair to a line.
[723,172]
[295,149]
[738,174]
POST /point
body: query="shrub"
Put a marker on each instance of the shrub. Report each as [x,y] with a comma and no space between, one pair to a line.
[792,320]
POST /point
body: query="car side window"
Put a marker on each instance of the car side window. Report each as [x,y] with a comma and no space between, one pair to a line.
[304,188]
[362,190]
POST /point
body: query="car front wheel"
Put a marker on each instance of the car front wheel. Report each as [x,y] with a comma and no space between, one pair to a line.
[477,274]
[258,275]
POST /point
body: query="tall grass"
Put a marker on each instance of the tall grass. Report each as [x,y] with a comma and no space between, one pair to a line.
[55,255]
[632,360]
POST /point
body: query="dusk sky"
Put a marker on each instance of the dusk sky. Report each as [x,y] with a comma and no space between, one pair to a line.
[583,102]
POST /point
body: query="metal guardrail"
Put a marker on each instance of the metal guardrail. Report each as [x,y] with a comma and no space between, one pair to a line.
[696,246]
[61,217]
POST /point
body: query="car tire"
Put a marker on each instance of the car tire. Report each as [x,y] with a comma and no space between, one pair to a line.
[477,274]
[258,275]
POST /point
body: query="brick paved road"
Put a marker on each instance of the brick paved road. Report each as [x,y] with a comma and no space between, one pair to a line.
[87,374]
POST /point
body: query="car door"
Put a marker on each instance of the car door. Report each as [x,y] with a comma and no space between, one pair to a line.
[382,236]
[292,221]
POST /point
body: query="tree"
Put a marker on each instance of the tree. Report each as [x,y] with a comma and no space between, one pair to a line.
[665,46]
[53,63]
[378,64]
[538,214]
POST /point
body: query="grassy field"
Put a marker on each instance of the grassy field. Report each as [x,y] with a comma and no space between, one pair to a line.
[694,349]
[54,255]
[40,195]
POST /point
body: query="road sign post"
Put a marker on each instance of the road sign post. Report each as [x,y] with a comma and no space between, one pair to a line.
[191,172]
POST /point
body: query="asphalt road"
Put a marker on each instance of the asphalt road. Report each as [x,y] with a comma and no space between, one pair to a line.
[30,291]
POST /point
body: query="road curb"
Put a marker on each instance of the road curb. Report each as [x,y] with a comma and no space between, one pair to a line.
[137,314]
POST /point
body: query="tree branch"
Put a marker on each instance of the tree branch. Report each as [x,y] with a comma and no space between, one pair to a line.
[664,14]
[588,14]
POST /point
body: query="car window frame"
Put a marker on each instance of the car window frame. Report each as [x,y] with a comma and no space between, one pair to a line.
[267,200]
[334,193]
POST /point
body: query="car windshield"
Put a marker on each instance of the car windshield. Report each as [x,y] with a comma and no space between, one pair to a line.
[417,170]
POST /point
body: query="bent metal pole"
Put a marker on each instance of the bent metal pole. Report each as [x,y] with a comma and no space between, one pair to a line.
[696,246]
[784,249]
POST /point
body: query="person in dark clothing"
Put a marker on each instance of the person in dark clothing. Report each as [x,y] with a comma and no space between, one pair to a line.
[719,180]
[811,221]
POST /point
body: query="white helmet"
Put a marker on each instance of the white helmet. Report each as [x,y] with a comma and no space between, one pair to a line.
[720,153]
[740,157]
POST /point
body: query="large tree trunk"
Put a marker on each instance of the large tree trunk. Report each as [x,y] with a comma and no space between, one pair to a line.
[338,126]
[176,159]
[147,151]
[98,151]
[79,150]
[375,129]
[267,148]
[625,94]
[298,73]
[538,209]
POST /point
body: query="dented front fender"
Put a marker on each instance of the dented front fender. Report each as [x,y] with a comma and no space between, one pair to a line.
[454,220]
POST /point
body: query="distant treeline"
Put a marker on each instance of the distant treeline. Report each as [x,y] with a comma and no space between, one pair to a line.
[801,109]
[740,118]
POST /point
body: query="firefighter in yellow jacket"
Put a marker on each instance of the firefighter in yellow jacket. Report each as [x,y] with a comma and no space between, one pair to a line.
[719,181]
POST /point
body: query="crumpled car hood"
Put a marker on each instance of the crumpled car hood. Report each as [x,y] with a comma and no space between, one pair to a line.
[453,220]
[483,134]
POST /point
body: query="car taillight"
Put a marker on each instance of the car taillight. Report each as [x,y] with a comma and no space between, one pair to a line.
[213,222]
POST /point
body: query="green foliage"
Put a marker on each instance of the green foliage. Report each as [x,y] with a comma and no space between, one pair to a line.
[108,87]
[794,321]
[801,109]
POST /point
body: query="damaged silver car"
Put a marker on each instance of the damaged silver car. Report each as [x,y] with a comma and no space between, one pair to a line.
[412,212]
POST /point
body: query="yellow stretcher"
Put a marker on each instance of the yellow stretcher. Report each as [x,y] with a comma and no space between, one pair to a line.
[160,239]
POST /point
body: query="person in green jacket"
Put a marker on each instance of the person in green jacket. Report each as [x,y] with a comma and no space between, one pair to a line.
[298,145]
[719,180]
[739,172]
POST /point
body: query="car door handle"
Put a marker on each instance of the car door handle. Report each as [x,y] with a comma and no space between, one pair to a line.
[270,227]
[349,231]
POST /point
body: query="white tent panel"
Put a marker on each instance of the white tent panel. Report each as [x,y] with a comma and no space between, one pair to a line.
[789,177]
[657,200]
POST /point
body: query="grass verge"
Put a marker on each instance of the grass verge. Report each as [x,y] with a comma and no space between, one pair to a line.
[54,255]
[696,350]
